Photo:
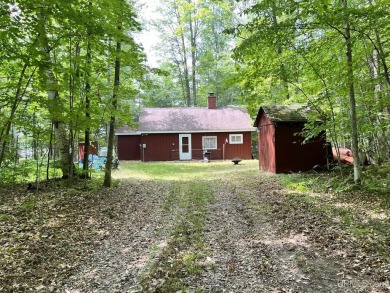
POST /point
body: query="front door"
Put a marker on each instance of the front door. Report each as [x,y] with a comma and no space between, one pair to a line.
[185,147]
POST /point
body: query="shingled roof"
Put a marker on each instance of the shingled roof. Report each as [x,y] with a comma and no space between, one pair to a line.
[153,120]
[179,120]
[285,113]
[126,130]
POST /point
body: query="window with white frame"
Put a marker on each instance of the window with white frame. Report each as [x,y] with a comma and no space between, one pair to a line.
[209,142]
[236,139]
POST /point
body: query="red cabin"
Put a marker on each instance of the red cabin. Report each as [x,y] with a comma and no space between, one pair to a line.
[167,134]
[281,147]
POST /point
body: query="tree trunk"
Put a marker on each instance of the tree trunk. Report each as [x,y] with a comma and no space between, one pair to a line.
[87,111]
[193,36]
[62,142]
[283,74]
[51,85]
[110,147]
[186,74]
[183,48]
[352,101]
[7,127]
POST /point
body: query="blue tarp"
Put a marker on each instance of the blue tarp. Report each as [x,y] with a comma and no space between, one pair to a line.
[95,162]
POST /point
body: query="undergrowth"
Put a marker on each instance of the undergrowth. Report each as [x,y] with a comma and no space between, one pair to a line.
[375,181]
[362,212]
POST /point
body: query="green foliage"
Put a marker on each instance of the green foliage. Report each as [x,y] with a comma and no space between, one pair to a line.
[195,53]
[298,186]
[73,192]
[28,205]
[377,179]
[290,52]
[66,49]
[27,170]
[375,183]
[4,217]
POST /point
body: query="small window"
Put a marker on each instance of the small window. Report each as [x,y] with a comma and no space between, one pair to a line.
[209,142]
[235,138]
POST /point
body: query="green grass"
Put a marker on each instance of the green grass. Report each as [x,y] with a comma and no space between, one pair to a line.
[180,260]
[29,205]
[184,171]
[4,217]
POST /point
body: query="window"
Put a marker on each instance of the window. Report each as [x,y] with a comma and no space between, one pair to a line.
[209,142]
[235,139]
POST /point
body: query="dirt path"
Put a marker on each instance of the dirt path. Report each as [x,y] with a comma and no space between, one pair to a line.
[218,235]
[117,263]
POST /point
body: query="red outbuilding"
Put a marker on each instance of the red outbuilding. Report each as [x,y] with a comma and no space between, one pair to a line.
[168,134]
[281,146]
[93,149]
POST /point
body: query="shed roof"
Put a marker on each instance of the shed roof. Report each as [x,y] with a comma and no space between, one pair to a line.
[154,120]
[285,113]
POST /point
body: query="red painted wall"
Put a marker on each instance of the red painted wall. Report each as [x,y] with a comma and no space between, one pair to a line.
[93,149]
[292,155]
[280,150]
[165,147]
[266,144]
[160,147]
[243,151]
[128,147]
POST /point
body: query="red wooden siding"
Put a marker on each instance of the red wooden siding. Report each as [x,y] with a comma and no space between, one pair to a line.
[242,151]
[129,147]
[292,155]
[165,147]
[281,150]
[266,144]
[160,147]
[93,149]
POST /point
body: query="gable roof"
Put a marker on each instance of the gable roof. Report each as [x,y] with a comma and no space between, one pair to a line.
[285,113]
[192,120]
[154,120]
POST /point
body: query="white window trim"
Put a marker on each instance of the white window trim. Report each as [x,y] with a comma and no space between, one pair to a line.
[235,142]
[216,142]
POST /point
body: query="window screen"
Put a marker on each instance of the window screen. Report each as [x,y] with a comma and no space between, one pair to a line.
[209,142]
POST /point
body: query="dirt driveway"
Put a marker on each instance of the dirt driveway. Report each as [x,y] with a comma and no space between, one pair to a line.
[233,231]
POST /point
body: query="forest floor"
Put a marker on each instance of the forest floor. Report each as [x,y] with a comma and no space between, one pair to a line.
[192,227]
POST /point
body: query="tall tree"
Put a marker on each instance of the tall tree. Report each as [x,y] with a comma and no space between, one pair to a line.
[56,52]
[127,23]
[300,46]
[352,98]
[194,42]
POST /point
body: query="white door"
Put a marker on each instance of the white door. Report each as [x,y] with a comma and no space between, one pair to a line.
[185,147]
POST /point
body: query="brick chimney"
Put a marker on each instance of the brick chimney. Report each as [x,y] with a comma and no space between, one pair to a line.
[212,101]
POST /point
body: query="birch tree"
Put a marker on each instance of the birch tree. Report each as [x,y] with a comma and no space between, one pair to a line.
[55,54]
